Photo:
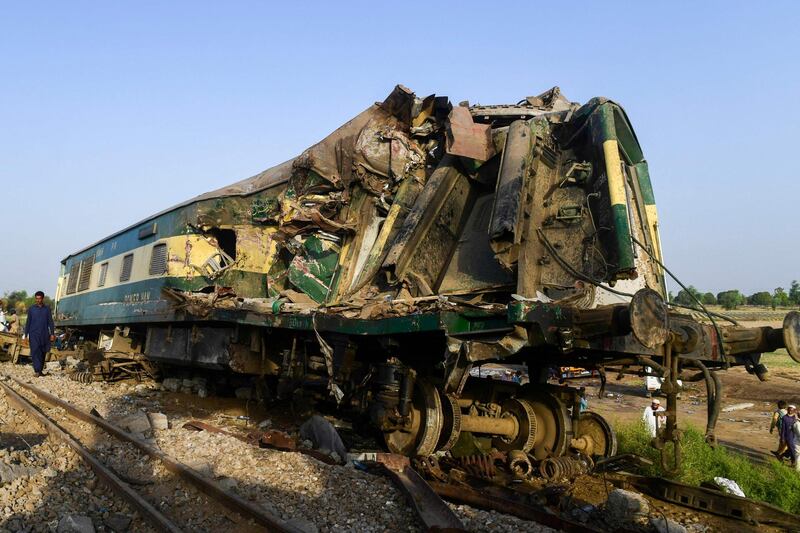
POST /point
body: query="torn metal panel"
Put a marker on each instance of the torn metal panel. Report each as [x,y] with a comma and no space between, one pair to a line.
[466,138]
[390,226]
[509,202]
[473,267]
[312,269]
[429,232]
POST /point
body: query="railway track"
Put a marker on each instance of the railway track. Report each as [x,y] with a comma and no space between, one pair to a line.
[191,493]
[71,425]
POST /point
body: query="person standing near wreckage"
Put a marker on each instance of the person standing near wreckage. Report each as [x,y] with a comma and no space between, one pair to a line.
[651,417]
[40,330]
[789,433]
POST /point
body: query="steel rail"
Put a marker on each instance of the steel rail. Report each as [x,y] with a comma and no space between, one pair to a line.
[209,487]
[496,502]
[152,515]
[430,508]
[710,501]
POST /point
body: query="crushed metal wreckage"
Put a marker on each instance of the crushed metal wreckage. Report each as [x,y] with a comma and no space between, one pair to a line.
[364,223]
[416,242]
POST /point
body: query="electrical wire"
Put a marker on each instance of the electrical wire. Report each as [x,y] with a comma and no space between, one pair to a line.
[584,277]
[579,275]
[695,298]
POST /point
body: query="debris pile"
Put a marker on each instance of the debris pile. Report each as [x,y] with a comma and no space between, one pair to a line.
[364,222]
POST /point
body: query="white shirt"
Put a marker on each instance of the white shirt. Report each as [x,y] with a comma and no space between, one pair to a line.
[651,421]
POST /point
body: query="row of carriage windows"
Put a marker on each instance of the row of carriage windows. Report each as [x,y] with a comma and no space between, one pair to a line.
[81,272]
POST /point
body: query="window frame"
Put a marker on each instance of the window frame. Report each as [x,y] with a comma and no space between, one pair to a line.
[129,259]
[101,280]
[163,260]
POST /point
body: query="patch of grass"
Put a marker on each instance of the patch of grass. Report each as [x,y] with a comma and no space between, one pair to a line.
[779,359]
[774,483]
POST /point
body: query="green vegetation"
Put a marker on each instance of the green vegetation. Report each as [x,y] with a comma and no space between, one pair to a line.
[731,299]
[775,483]
[779,359]
[20,301]
[709,299]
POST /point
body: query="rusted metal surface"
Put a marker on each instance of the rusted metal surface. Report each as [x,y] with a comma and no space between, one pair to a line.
[557,468]
[519,463]
[495,502]
[430,508]
[115,367]
[712,501]
[209,487]
[485,424]
[197,425]
[480,465]
[278,439]
[506,222]
[467,138]
[649,318]
[791,334]
[149,513]
[273,438]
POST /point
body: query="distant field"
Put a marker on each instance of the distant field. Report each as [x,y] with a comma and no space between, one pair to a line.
[752,313]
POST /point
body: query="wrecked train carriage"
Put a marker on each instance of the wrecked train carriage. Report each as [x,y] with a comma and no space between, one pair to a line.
[414,243]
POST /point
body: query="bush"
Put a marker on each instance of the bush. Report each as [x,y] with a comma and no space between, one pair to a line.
[709,299]
[762,298]
[730,299]
[775,483]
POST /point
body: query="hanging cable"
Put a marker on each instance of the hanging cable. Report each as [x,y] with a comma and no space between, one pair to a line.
[695,298]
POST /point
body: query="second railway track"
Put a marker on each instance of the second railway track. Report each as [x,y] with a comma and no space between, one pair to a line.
[167,493]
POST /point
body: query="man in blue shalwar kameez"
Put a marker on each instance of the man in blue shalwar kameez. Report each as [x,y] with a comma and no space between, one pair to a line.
[40,331]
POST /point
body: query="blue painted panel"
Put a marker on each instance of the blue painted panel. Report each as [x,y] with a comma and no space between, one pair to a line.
[169,224]
[130,303]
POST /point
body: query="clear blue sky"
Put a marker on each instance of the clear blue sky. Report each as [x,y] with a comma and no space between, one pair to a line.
[112,111]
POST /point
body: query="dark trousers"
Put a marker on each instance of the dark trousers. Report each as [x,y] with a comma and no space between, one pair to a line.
[38,354]
[791,450]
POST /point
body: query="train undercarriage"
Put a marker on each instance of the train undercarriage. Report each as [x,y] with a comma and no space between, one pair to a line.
[413,378]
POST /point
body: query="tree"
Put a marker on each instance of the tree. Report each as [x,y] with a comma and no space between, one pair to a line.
[684,297]
[20,301]
[794,292]
[730,299]
[709,299]
[780,298]
[762,298]
[14,299]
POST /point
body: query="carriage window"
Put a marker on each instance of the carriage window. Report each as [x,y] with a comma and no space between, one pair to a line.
[103,273]
[127,266]
[86,273]
[158,260]
[72,284]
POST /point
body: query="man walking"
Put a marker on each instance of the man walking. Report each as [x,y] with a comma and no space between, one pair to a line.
[40,331]
[788,432]
[775,423]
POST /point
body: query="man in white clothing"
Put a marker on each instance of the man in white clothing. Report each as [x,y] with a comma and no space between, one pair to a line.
[653,421]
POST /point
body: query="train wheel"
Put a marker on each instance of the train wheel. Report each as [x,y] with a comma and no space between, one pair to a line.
[451,423]
[426,424]
[523,412]
[553,425]
[594,431]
